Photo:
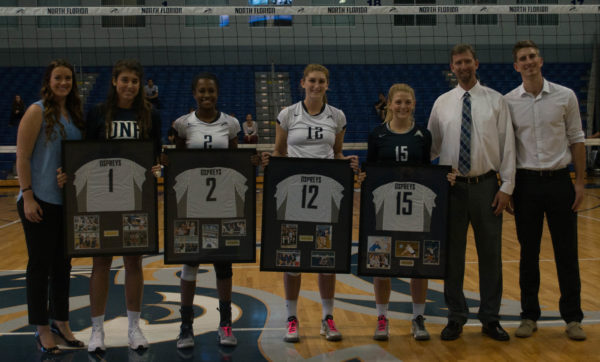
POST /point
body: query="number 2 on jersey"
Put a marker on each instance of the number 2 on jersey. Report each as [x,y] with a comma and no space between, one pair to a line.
[207,141]
[306,190]
[403,203]
[212,182]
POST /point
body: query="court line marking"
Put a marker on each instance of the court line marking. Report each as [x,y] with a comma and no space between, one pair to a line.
[589,217]
[10,223]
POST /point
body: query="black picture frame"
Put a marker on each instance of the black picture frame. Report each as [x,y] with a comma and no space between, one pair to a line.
[223,228]
[315,241]
[122,220]
[414,243]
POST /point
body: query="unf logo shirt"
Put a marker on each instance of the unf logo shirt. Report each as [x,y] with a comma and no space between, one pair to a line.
[403,206]
[216,192]
[309,197]
[109,184]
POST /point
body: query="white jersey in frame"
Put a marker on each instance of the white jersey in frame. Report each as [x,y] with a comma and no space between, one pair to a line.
[109,184]
[200,134]
[216,192]
[309,197]
[311,136]
[403,206]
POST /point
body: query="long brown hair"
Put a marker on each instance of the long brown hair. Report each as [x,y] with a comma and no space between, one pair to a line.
[317,68]
[395,88]
[52,108]
[141,106]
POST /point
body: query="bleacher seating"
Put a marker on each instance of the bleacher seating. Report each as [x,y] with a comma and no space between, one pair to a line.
[353,88]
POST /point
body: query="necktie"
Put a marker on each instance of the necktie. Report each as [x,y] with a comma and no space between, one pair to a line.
[464,157]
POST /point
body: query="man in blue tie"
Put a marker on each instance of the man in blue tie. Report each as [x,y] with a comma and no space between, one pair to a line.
[472,131]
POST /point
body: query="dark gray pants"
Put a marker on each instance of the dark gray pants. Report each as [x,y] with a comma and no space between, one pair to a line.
[471,203]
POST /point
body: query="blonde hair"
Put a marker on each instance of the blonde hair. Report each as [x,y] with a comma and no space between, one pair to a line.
[317,68]
[395,88]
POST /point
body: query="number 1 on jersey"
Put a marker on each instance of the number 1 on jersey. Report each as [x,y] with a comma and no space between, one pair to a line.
[110,180]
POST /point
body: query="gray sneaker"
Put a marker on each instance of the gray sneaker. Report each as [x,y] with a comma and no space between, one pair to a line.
[418,329]
[526,328]
[575,332]
[226,337]
[382,332]
[329,330]
[185,339]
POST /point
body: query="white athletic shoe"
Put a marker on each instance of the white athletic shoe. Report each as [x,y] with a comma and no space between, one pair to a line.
[137,340]
[329,330]
[96,343]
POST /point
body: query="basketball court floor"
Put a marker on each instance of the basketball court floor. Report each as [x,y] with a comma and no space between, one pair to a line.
[259,308]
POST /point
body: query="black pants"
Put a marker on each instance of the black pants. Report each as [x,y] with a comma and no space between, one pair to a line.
[48,268]
[553,195]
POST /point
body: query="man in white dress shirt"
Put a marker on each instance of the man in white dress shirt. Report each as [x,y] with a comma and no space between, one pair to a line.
[472,131]
[548,137]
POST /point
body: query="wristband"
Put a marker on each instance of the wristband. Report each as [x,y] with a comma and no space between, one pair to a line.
[26,189]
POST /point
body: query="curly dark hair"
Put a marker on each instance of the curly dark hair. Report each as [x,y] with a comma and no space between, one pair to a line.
[51,107]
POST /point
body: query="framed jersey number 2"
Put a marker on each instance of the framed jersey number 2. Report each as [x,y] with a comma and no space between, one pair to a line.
[210,206]
[307,215]
[403,221]
[110,198]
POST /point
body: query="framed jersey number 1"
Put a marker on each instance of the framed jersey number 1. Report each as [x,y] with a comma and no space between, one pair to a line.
[307,215]
[403,221]
[210,206]
[110,198]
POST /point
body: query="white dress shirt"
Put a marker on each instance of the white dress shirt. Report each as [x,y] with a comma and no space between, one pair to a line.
[545,126]
[492,138]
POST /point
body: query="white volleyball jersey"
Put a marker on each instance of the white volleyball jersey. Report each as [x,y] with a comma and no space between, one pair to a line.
[313,198]
[199,134]
[403,206]
[216,192]
[109,184]
[311,136]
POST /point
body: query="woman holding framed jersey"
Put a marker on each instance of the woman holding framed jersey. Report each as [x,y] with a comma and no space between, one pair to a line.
[399,139]
[126,114]
[56,117]
[295,136]
[205,128]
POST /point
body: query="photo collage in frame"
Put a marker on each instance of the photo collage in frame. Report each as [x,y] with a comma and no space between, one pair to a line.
[210,206]
[307,215]
[110,198]
[403,221]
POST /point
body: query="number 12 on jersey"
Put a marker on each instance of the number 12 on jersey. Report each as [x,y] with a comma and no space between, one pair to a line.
[308,190]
